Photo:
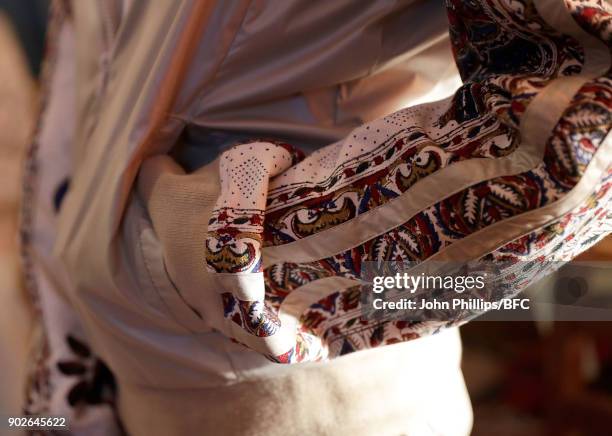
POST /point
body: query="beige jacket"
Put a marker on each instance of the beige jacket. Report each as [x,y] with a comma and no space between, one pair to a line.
[145,73]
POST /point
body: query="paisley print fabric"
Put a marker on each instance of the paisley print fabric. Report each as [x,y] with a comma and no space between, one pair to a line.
[271,195]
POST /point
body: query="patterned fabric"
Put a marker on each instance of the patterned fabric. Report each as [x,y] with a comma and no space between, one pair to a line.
[507,54]
[272,196]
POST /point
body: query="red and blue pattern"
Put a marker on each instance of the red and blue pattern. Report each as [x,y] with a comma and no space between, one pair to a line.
[506,54]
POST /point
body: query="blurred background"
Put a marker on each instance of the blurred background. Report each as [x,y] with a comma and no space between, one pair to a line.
[22,30]
[525,378]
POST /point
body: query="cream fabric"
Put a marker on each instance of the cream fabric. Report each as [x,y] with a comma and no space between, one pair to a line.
[144,304]
[413,388]
[162,183]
